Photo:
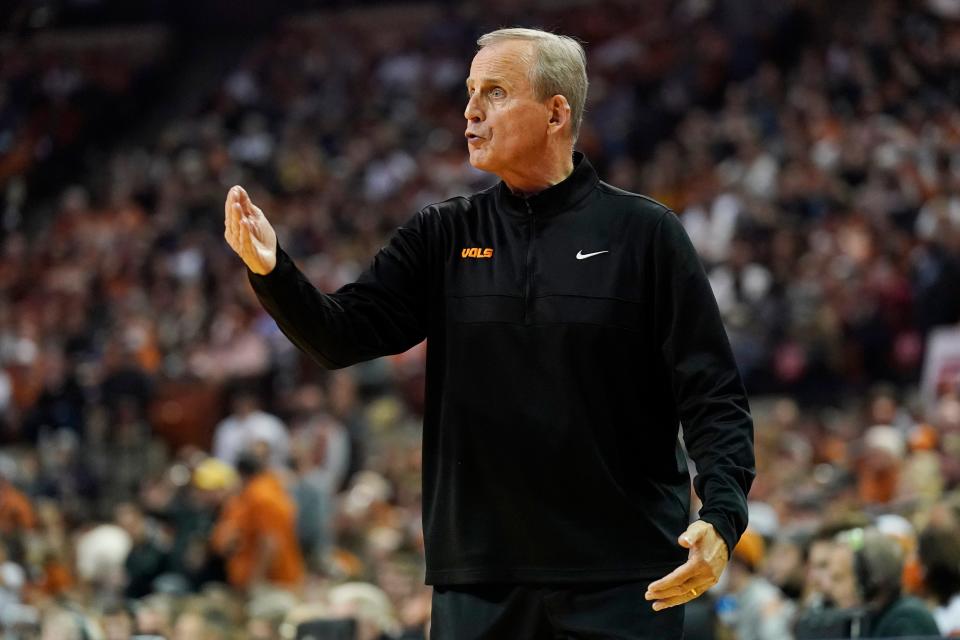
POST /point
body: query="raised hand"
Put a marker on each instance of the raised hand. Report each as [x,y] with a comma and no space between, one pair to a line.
[707,558]
[248,232]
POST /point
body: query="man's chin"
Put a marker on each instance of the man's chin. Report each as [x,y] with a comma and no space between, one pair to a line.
[479,161]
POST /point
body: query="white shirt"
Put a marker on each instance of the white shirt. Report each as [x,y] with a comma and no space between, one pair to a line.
[948,617]
[236,434]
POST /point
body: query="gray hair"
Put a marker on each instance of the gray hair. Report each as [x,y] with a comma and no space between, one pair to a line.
[879,568]
[559,67]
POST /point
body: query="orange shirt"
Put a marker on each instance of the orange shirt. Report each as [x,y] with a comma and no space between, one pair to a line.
[263,509]
[16,512]
[56,579]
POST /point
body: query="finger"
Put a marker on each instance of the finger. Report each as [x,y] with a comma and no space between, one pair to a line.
[700,583]
[676,577]
[244,199]
[694,581]
[254,231]
[242,194]
[228,231]
[232,227]
[246,249]
[233,209]
[660,605]
[694,591]
[234,198]
[238,218]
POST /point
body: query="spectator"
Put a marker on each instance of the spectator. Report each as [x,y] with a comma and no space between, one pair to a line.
[100,556]
[117,622]
[61,403]
[760,611]
[311,486]
[149,553]
[256,531]
[13,579]
[154,616]
[247,426]
[368,605]
[879,469]
[818,582]
[784,565]
[939,549]
[193,512]
[869,566]
[16,511]
[201,625]
[124,380]
[345,407]
[61,624]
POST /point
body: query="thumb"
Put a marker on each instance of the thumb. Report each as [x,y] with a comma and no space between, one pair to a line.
[692,535]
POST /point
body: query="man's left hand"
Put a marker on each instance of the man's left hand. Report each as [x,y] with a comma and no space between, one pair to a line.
[706,561]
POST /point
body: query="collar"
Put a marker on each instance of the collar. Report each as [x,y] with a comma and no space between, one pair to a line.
[560,197]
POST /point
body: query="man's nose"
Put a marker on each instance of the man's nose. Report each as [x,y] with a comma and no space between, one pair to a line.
[473,112]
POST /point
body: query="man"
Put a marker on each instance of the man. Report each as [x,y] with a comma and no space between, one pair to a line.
[939,550]
[247,426]
[149,555]
[571,327]
[256,531]
[866,568]
[818,580]
[16,511]
[117,622]
[761,611]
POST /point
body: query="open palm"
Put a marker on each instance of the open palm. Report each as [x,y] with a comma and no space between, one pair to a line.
[249,233]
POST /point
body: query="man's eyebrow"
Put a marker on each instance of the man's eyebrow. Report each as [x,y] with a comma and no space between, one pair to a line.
[488,81]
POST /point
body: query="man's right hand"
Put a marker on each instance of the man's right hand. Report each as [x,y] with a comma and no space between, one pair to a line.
[249,233]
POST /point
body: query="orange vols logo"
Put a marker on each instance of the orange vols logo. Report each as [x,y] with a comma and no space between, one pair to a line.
[476,252]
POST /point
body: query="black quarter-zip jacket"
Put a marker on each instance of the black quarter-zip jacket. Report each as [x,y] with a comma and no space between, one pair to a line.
[569,335]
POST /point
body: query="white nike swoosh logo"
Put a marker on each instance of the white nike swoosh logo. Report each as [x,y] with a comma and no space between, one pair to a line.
[583,256]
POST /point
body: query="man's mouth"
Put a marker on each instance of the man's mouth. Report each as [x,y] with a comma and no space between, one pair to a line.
[472,137]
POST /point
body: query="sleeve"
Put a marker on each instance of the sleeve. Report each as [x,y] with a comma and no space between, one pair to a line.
[384,312]
[707,389]
[227,528]
[26,518]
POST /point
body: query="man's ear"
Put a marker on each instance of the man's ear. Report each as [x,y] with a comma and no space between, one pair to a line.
[559,111]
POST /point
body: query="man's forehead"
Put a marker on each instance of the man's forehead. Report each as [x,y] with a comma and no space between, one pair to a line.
[842,553]
[503,61]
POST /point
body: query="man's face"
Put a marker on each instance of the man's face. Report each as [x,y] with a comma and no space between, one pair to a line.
[189,626]
[117,627]
[818,567]
[843,590]
[506,125]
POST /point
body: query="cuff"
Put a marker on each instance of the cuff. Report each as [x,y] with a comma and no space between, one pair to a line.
[725,529]
[282,268]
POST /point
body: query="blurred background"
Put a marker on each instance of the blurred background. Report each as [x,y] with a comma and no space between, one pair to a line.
[171,466]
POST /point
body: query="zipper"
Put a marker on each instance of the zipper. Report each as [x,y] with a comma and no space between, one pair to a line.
[529,266]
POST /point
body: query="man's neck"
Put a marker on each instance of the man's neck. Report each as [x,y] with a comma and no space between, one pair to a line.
[526,184]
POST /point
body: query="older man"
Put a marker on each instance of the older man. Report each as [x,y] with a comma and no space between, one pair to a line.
[867,571]
[571,330]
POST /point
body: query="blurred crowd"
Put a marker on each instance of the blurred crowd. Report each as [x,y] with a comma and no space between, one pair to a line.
[172,466]
[56,91]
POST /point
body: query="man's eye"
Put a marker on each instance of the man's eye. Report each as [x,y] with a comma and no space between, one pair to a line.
[497,92]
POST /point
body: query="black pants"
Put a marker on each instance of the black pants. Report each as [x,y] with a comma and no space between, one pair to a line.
[601,611]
